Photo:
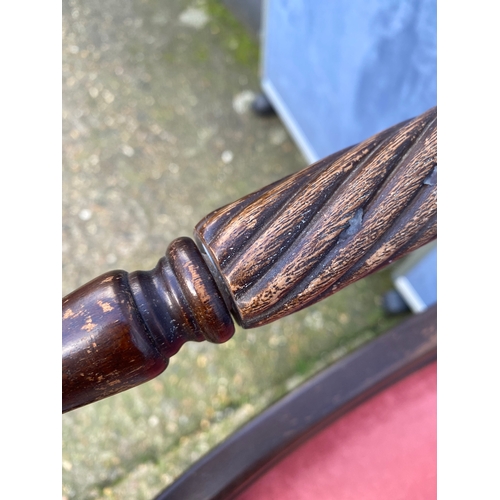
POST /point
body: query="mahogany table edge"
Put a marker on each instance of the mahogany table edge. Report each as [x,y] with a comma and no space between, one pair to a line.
[248,453]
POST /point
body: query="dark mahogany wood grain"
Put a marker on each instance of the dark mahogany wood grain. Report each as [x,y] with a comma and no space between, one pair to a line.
[106,348]
[120,329]
[300,240]
[265,256]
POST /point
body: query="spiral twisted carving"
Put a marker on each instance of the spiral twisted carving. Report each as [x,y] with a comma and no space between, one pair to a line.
[301,239]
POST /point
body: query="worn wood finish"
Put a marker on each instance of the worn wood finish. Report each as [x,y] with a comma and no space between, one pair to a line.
[267,255]
[120,329]
[298,241]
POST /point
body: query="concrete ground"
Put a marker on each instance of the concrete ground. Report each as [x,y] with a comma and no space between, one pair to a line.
[157,132]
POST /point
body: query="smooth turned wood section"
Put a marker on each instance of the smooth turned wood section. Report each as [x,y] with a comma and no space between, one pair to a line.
[263,257]
[300,240]
[120,329]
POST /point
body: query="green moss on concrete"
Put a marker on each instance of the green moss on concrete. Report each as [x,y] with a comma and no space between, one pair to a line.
[173,88]
[232,33]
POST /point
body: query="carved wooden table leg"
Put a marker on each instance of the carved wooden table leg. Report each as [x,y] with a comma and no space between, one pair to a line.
[120,329]
[260,258]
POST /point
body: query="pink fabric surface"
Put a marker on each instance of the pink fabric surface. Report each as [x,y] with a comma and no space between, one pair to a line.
[385,449]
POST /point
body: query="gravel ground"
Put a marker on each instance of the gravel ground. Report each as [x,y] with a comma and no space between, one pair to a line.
[157,132]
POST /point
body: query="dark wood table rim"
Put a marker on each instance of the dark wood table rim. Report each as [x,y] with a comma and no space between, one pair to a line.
[252,450]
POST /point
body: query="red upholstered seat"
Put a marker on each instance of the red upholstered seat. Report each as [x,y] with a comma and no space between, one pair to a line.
[384,449]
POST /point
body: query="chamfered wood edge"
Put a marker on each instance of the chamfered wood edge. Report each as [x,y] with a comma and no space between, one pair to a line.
[252,450]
